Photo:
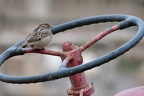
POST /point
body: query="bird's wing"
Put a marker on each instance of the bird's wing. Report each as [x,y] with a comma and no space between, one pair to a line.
[36,36]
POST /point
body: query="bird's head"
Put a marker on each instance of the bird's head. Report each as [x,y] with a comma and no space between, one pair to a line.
[46,25]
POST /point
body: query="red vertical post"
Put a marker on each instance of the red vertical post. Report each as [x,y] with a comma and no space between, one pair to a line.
[80,87]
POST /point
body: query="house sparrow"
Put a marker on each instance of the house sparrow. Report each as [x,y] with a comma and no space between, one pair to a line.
[39,37]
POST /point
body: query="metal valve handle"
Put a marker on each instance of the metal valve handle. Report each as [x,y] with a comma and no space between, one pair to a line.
[125,21]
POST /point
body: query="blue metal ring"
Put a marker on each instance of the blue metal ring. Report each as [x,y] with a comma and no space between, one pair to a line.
[125,22]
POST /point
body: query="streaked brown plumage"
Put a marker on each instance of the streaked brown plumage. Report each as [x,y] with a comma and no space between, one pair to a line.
[39,37]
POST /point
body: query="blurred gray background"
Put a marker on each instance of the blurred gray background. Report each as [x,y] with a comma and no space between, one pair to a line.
[19,17]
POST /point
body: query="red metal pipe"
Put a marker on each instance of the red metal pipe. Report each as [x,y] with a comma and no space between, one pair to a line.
[98,37]
[43,51]
[80,87]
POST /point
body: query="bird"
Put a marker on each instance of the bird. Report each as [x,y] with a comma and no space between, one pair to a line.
[39,37]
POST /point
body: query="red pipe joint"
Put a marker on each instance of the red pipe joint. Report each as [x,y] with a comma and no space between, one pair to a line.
[80,87]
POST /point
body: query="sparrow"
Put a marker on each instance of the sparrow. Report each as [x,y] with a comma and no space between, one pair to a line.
[39,37]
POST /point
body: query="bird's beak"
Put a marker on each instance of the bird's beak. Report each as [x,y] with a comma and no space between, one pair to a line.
[52,26]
